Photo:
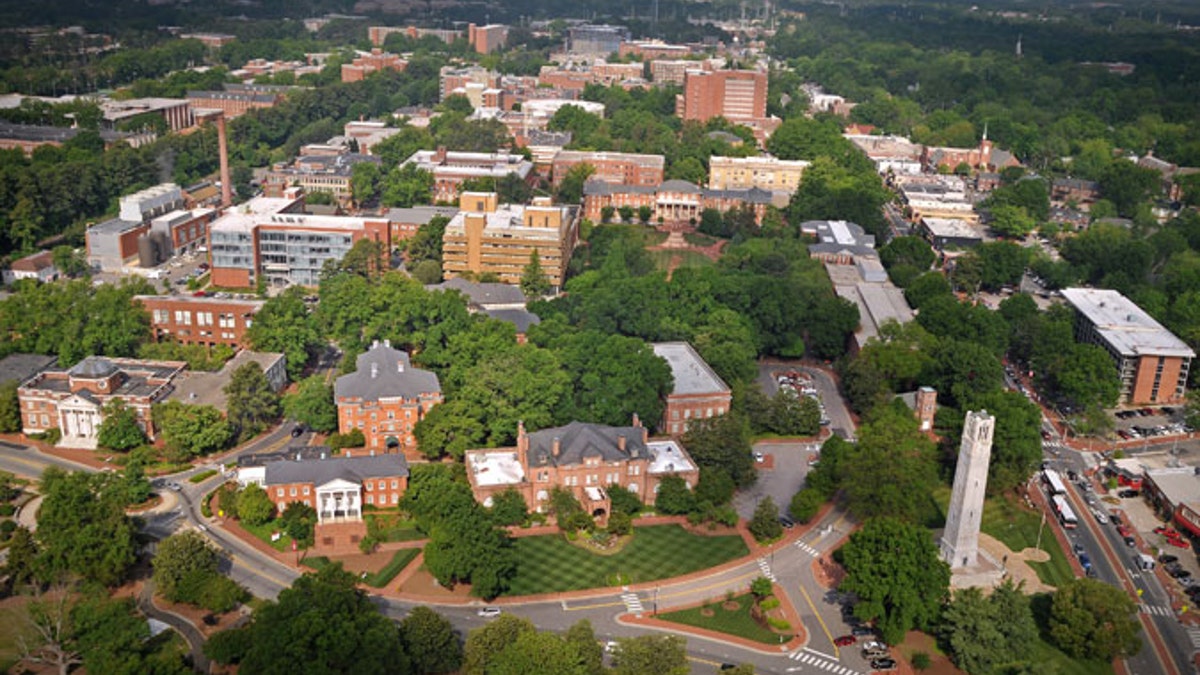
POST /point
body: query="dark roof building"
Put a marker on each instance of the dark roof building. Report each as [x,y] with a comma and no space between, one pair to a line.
[21,367]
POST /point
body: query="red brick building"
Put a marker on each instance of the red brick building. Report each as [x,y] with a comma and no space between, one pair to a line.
[204,321]
[369,62]
[385,397]
[699,393]
[72,399]
[337,487]
[732,94]
[621,168]
[583,459]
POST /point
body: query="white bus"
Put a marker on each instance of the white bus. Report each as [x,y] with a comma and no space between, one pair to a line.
[1054,483]
[1063,510]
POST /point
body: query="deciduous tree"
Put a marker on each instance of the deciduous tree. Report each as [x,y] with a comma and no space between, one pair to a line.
[1090,619]
[312,404]
[430,642]
[252,403]
[119,430]
[894,569]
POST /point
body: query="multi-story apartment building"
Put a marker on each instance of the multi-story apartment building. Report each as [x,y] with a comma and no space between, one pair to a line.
[366,63]
[619,168]
[267,238]
[583,459]
[764,173]
[379,34]
[487,39]
[698,393]
[1152,362]
[733,94]
[385,397]
[72,400]
[205,321]
[450,169]
[599,39]
[486,236]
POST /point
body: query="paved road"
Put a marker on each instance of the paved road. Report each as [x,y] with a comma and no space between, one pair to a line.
[29,462]
[789,466]
[184,627]
[1112,562]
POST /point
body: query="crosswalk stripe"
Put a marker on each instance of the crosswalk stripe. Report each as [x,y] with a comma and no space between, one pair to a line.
[1194,634]
[807,658]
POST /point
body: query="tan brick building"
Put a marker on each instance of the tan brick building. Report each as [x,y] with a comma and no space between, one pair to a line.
[370,62]
[582,458]
[764,173]
[385,397]
[486,236]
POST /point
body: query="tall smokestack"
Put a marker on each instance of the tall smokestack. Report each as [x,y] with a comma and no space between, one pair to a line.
[223,150]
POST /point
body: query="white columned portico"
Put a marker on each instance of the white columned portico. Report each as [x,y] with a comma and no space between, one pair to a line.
[79,420]
[339,501]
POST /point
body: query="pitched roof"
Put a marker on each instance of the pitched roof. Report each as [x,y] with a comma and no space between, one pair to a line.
[385,372]
[321,471]
[521,318]
[21,367]
[580,440]
[93,366]
[482,294]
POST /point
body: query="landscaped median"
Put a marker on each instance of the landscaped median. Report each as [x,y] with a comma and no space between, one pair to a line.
[770,624]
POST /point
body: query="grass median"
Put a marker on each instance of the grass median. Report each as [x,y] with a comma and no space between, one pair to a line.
[736,622]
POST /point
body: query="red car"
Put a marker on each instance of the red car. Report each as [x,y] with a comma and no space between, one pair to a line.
[845,641]
[1177,542]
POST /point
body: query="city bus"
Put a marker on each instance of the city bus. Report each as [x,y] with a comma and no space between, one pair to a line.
[1063,510]
[1054,483]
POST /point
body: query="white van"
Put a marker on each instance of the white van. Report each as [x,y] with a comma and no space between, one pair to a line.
[1143,562]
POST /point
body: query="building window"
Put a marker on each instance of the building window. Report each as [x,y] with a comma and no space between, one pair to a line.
[279,492]
[183,318]
[305,490]
[293,491]
[395,485]
[370,499]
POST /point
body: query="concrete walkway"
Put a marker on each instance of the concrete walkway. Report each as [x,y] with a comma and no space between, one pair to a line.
[195,639]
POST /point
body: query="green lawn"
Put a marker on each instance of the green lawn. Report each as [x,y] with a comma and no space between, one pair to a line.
[391,526]
[1007,519]
[550,564]
[1050,660]
[686,259]
[264,531]
[399,561]
[736,622]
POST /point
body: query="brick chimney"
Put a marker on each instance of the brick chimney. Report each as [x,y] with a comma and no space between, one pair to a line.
[926,407]
[223,151]
[621,442]
[556,447]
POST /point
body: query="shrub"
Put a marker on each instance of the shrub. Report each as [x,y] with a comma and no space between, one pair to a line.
[202,476]
[921,661]
[51,436]
[778,624]
[7,509]
[351,439]
[620,524]
[769,604]
[368,543]
[205,509]
[7,527]
[805,504]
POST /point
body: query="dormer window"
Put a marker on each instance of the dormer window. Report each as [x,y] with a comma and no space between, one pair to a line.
[104,384]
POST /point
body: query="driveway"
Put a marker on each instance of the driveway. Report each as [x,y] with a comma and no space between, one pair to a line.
[788,462]
[835,406]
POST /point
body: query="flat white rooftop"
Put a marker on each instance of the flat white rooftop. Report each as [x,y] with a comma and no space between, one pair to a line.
[692,374]
[1124,325]
[668,457]
[952,227]
[495,467]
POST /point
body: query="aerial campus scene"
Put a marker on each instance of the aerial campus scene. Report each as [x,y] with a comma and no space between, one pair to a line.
[622,336]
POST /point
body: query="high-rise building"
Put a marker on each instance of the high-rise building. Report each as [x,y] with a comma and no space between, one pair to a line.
[732,94]
[960,541]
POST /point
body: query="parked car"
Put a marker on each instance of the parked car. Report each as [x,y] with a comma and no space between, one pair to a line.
[845,640]
[297,430]
[488,612]
[1116,519]
[786,522]
[1128,493]
[1167,559]
[883,664]
[862,631]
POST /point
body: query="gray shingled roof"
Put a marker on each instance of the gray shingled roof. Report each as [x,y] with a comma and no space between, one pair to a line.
[578,440]
[384,372]
[321,471]
[521,318]
[482,294]
[676,185]
[21,367]
[93,366]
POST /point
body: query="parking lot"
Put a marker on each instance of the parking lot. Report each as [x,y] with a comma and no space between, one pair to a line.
[1174,554]
[1150,422]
